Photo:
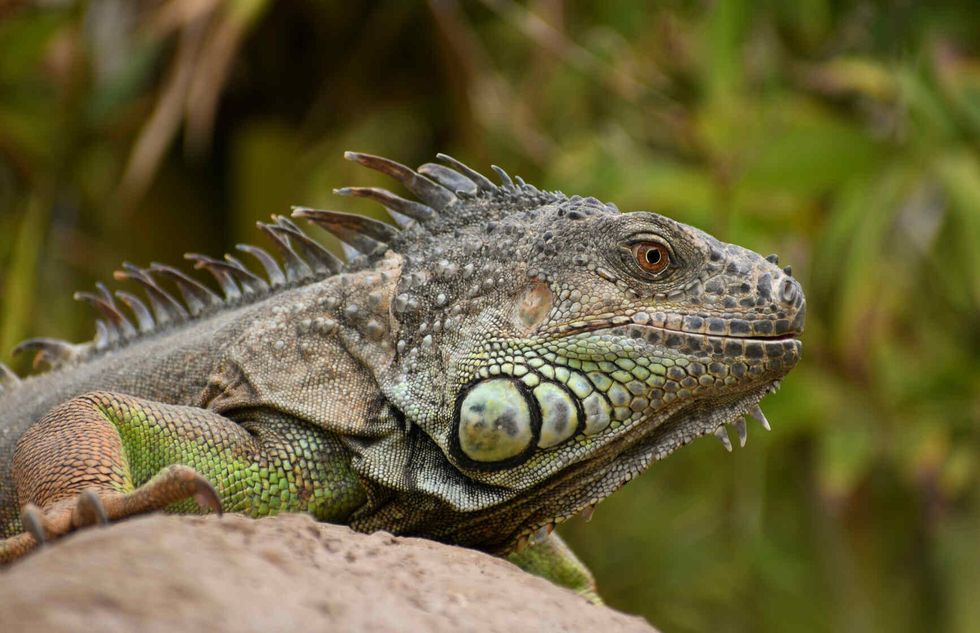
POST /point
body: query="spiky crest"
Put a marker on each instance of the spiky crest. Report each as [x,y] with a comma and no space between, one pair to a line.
[8,379]
[450,197]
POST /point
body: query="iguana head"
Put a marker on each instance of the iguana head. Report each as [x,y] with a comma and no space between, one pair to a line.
[549,348]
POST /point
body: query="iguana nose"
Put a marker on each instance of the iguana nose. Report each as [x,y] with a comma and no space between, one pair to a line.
[790,291]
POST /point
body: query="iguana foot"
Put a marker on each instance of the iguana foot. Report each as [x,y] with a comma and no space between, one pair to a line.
[553,560]
[92,507]
[172,484]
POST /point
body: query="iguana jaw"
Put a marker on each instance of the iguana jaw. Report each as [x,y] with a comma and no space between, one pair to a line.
[583,487]
[669,425]
[561,483]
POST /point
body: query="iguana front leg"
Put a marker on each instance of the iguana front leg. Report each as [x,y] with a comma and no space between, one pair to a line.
[100,504]
[139,455]
[553,560]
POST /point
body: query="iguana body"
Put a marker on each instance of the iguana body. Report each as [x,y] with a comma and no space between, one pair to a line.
[507,359]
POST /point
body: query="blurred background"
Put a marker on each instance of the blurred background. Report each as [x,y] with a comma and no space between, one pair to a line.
[844,136]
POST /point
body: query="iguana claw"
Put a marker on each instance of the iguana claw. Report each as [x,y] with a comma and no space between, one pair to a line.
[90,510]
[207,497]
[33,521]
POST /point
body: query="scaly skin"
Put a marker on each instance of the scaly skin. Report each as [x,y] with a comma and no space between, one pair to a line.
[277,467]
[507,359]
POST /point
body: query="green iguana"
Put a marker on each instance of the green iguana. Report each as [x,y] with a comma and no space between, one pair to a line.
[504,359]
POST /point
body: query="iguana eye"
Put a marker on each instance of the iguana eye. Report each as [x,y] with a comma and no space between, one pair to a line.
[652,257]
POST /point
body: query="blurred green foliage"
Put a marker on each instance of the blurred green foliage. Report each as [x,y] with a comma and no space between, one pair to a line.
[844,136]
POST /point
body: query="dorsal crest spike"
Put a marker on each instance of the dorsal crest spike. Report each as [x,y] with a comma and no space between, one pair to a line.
[250,282]
[366,236]
[429,192]
[105,335]
[221,273]
[296,267]
[269,263]
[112,312]
[358,223]
[407,208]
[505,180]
[284,222]
[50,351]
[323,262]
[449,178]
[117,325]
[104,293]
[482,182]
[230,271]
[165,307]
[197,296]
[144,318]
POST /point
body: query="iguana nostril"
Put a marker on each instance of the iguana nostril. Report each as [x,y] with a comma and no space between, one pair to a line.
[788,291]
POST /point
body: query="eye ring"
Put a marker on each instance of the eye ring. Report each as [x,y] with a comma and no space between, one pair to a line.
[652,257]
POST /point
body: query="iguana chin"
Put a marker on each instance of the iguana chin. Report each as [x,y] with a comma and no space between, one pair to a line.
[505,359]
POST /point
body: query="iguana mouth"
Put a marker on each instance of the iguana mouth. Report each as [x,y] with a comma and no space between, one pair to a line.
[750,348]
[782,337]
[787,336]
[694,325]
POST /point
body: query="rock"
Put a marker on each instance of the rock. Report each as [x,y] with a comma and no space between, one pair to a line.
[286,573]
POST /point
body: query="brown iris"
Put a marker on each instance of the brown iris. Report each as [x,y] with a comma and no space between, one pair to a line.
[652,257]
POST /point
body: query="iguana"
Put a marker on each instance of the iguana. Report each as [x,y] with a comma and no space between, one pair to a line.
[504,359]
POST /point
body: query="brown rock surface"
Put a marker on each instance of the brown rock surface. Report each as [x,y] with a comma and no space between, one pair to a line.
[288,573]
